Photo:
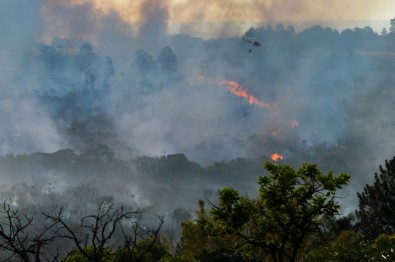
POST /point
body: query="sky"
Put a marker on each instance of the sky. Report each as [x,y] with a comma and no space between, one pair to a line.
[212,18]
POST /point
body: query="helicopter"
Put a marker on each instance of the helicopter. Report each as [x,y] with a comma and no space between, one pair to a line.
[252,41]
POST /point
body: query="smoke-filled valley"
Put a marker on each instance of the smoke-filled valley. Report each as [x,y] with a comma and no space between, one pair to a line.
[159,121]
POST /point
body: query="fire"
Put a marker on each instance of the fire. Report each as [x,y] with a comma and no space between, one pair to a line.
[238,90]
[275,133]
[294,123]
[276,157]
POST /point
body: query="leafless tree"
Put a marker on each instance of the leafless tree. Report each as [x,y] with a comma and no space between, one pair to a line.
[19,239]
[93,237]
[135,233]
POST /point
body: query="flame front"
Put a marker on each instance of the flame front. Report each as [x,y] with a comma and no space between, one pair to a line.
[276,157]
[238,90]
[294,123]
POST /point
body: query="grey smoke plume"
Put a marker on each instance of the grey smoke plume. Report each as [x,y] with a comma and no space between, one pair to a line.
[340,95]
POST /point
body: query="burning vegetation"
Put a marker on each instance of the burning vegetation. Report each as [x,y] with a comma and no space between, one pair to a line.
[276,157]
[237,89]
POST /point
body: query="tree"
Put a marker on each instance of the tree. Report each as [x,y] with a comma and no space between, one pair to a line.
[376,211]
[384,31]
[168,60]
[351,246]
[94,235]
[143,61]
[17,239]
[392,25]
[199,243]
[86,60]
[50,57]
[288,209]
[141,243]
[346,246]
[109,72]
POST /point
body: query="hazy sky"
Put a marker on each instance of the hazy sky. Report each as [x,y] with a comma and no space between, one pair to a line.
[207,17]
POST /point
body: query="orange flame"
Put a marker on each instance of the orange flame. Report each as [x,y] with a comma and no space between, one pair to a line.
[276,157]
[275,133]
[238,90]
[294,123]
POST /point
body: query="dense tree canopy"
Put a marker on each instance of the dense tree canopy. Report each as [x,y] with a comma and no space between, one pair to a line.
[289,207]
[376,211]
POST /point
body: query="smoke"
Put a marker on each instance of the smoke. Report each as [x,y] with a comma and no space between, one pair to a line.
[204,122]
[225,18]
[26,128]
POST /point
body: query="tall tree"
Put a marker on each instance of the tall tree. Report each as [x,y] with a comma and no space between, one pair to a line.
[290,205]
[50,57]
[86,60]
[376,211]
[198,243]
[392,25]
[109,72]
[143,61]
[168,60]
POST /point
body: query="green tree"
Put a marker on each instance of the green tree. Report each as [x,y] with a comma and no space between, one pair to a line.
[289,207]
[88,252]
[350,246]
[376,211]
[145,250]
[347,246]
[200,243]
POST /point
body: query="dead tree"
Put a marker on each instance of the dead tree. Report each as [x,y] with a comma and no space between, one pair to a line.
[139,240]
[94,235]
[19,239]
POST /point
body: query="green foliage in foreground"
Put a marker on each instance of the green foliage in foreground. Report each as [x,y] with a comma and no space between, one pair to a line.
[376,211]
[146,250]
[294,217]
[350,246]
[277,223]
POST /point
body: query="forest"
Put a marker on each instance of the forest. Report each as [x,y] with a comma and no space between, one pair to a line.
[179,148]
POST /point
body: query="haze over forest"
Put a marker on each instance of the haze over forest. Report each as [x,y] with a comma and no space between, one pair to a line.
[144,116]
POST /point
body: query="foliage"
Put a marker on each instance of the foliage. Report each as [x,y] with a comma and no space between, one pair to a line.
[347,246]
[146,250]
[198,243]
[376,203]
[168,60]
[288,208]
[143,61]
[351,246]
[78,256]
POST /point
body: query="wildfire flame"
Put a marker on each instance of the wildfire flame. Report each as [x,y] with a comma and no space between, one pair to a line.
[275,133]
[294,123]
[238,90]
[276,157]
